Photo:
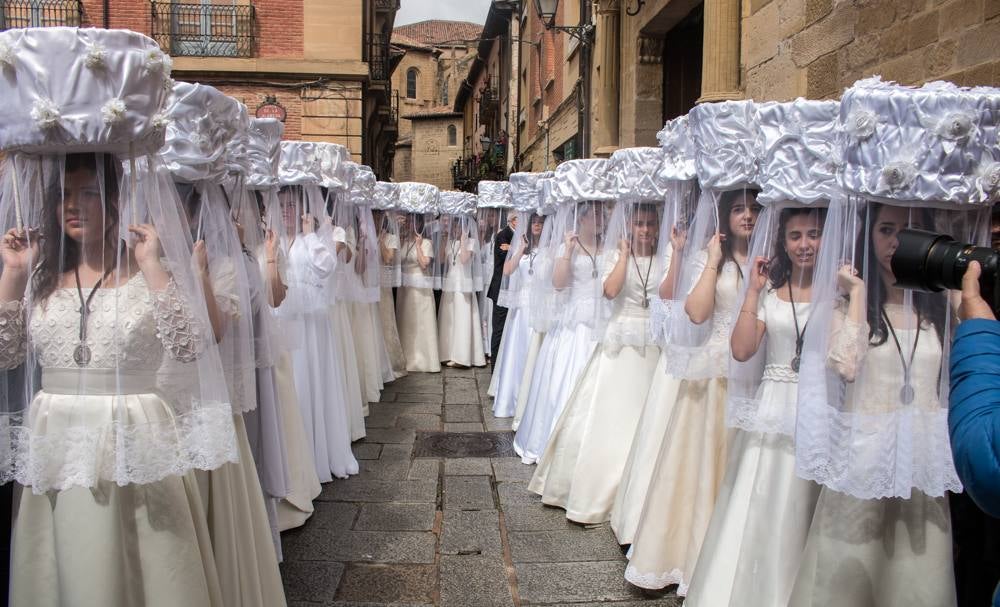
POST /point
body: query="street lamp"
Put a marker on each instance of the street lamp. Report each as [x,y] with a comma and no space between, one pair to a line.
[547,10]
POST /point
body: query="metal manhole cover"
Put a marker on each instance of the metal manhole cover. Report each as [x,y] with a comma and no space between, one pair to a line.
[464,444]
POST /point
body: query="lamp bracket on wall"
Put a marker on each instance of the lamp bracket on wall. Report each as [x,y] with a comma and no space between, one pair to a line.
[638,7]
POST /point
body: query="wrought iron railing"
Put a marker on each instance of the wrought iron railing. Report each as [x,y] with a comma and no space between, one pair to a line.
[205,30]
[39,13]
[378,57]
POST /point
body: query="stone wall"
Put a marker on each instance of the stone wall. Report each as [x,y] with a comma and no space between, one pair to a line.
[431,156]
[816,48]
[562,126]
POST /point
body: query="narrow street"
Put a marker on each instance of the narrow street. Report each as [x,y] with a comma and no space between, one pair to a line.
[427,522]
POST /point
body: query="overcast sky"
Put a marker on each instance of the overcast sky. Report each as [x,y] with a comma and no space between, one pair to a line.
[411,11]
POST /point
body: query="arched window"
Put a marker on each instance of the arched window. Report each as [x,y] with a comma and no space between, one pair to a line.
[452,135]
[411,83]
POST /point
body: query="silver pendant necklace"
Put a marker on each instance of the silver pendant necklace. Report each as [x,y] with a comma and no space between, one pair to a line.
[906,393]
[82,354]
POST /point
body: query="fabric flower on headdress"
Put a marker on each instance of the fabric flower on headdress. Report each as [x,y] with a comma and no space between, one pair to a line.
[160,121]
[158,61]
[96,56]
[897,175]
[46,113]
[988,178]
[6,55]
[954,128]
[113,111]
[861,124]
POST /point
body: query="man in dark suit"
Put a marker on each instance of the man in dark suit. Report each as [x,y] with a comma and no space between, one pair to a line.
[501,244]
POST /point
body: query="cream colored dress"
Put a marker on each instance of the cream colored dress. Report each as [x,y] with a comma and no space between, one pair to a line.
[757,534]
[105,544]
[889,552]
[586,454]
[303,483]
[690,463]
[460,336]
[415,317]
[390,333]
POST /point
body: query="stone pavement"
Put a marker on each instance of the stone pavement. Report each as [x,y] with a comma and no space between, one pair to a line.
[447,531]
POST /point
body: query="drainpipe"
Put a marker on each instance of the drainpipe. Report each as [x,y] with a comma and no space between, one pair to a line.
[584,94]
[107,16]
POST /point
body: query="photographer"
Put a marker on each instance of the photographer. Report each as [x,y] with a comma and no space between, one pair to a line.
[974,415]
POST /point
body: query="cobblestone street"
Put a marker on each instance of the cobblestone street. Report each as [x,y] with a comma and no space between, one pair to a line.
[448,531]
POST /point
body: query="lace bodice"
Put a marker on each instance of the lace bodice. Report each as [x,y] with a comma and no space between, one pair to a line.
[630,310]
[129,328]
[711,358]
[459,275]
[409,260]
[877,387]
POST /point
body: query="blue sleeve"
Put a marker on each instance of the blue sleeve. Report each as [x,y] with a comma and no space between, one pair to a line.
[974,411]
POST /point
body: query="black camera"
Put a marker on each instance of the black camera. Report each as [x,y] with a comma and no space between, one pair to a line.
[926,261]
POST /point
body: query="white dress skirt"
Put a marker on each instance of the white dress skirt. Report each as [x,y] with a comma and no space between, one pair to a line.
[415,315]
[244,551]
[649,438]
[757,534]
[513,355]
[524,385]
[390,333]
[691,462]
[460,332]
[317,361]
[105,544]
[349,369]
[585,458]
[386,374]
[561,359]
[365,334]
[303,483]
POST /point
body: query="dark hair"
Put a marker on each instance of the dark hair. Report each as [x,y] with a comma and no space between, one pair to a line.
[57,252]
[726,203]
[780,268]
[929,306]
[532,240]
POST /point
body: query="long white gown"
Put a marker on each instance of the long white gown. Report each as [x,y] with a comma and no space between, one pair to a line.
[757,534]
[891,552]
[584,460]
[390,333]
[561,359]
[415,317]
[460,337]
[511,360]
[689,467]
[108,545]
[319,378]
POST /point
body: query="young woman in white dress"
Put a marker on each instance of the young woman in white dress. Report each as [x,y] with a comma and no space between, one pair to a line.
[460,339]
[518,270]
[319,379]
[387,220]
[640,175]
[763,513]
[104,447]
[676,505]
[415,314]
[882,520]
[568,345]
[586,454]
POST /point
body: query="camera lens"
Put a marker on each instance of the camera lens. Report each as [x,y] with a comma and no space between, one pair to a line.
[926,261]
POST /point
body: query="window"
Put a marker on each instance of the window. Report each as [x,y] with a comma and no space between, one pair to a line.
[411,83]
[444,92]
[452,135]
[201,28]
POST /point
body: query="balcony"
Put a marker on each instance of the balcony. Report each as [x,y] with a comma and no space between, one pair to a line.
[205,30]
[378,57]
[39,13]
[466,173]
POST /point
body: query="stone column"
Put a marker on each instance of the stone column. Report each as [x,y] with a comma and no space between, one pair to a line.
[720,69]
[607,80]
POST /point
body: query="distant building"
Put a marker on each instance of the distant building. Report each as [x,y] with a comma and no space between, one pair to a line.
[435,58]
[323,66]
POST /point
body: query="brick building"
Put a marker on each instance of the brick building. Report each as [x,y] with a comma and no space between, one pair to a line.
[322,64]
[435,58]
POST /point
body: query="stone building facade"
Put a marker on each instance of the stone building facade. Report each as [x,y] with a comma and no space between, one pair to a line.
[437,55]
[435,146]
[324,64]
